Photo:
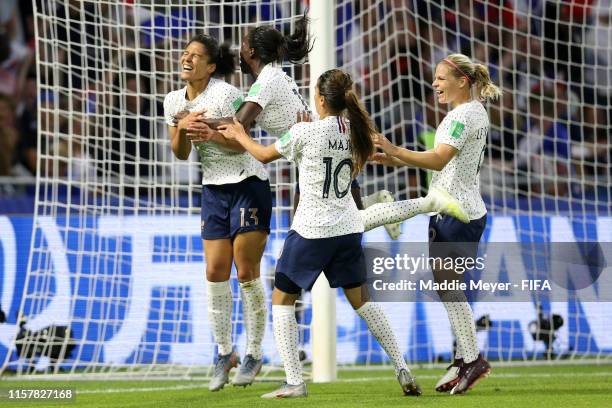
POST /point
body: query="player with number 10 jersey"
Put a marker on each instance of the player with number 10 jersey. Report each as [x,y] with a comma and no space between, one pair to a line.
[326,208]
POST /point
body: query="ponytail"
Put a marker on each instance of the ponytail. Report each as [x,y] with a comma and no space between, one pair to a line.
[296,46]
[362,130]
[477,75]
[270,45]
[220,55]
[485,88]
[336,87]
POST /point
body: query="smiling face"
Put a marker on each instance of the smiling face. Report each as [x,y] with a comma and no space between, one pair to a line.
[449,88]
[194,63]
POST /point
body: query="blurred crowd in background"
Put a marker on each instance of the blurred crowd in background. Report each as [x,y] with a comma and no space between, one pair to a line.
[550,131]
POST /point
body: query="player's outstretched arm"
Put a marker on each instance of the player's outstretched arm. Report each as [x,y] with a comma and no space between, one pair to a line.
[434,159]
[386,160]
[246,115]
[201,129]
[236,132]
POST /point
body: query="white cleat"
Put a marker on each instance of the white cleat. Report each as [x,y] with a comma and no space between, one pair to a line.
[288,391]
[443,202]
[450,378]
[383,196]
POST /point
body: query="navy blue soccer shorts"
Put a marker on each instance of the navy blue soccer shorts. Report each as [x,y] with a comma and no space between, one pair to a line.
[230,209]
[340,258]
[449,237]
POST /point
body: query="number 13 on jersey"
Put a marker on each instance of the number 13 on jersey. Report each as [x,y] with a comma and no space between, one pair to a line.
[252,216]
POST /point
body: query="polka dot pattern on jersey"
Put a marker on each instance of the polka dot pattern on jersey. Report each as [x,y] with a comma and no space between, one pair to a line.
[466,128]
[219,165]
[322,152]
[278,95]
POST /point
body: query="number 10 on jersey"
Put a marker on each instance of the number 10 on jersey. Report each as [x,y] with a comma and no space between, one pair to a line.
[328,161]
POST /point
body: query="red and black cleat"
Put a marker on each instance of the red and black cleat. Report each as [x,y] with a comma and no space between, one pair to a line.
[470,374]
[451,377]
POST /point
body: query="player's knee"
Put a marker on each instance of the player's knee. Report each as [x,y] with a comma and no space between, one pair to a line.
[217,272]
[247,272]
[282,298]
[356,295]
[357,303]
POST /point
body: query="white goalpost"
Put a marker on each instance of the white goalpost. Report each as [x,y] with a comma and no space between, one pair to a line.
[324,298]
[116,267]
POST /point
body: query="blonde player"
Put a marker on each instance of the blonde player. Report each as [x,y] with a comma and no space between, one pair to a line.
[236,202]
[460,144]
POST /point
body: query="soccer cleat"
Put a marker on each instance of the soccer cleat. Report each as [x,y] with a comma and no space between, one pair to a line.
[451,377]
[222,368]
[443,202]
[408,383]
[249,368]
[288,391]
[470,374]
[383,196]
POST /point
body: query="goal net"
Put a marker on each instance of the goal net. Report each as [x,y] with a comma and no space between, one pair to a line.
[116,255]
[545,174]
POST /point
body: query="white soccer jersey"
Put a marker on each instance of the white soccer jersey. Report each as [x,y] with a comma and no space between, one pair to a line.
[219,165]
[322,152]
[280,99]
[465,128]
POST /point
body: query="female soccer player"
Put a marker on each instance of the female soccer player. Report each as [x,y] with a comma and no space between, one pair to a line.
[327,227]
[460,145]
[236,202]
[274,100]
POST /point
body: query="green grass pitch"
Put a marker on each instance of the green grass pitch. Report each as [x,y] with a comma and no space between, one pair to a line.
[538,386]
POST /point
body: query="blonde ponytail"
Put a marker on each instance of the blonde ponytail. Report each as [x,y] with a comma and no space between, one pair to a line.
[476,74]
[482,80]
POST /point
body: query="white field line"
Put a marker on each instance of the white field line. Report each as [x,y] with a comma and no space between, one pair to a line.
[344,380]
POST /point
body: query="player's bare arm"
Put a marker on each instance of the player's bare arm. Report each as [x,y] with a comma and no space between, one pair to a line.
[246,115]
[203,129]
[179,141]
[434,159]
[237,133]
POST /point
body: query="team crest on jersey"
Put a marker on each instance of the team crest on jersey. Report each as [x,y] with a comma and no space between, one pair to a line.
[236,104]
[254,91]
[285,138]
[456,129]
